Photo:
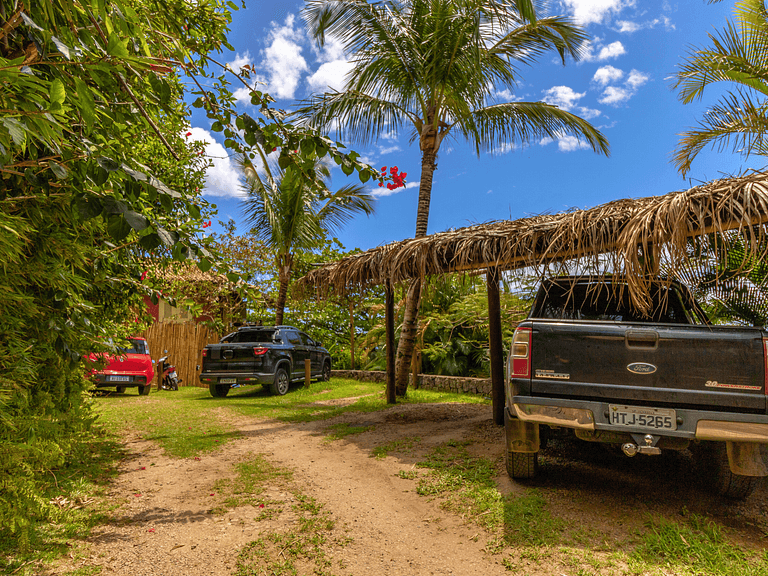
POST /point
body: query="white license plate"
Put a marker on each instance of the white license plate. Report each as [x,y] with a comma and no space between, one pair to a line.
[118,378]
[227,380]
[642,417]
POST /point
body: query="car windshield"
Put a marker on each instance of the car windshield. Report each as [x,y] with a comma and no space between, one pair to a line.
[134,346]
[262,336]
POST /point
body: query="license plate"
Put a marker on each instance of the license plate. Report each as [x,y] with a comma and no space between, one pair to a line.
[118,378]
[642,417]
[228,381]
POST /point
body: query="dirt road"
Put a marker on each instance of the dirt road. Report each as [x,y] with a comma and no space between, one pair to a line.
[167,522]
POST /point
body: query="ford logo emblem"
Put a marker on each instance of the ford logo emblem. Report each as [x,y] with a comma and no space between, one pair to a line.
[641,368]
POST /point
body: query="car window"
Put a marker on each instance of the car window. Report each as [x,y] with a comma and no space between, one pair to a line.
[293,337]
[596,301]
[247,336]
[307,340]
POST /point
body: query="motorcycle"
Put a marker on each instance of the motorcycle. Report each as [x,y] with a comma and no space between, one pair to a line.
[168,378]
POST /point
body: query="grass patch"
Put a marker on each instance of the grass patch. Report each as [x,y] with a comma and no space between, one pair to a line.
[466,482]
[302,548]
[252,473]
[698,546]
[400,446]
[527,521]
[75,492]
[339,431]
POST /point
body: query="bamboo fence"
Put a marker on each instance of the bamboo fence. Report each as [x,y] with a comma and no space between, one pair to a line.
[185,343]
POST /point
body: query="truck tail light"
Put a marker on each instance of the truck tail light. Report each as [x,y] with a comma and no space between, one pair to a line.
[259,350]
[205,353]
[521,353]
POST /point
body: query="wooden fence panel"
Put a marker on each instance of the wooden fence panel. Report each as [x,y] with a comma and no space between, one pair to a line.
[185,343]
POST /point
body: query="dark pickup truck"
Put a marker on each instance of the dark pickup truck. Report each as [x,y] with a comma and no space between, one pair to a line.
[272,356]
[586,361]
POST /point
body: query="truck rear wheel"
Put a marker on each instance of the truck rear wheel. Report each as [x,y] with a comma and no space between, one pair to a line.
[218,390]
[144,390]
[725,482]
[281,383]
[522,465]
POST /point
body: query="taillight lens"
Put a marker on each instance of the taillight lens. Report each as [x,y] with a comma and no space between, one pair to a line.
[205,353]
[259,350]
[521,353]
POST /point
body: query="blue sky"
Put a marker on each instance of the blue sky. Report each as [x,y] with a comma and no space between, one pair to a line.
[622,86]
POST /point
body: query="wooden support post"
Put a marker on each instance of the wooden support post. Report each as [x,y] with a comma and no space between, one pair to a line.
[307,372]
[390,330]
[496,345]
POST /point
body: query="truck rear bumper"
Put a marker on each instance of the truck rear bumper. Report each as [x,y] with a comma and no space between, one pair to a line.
[240,378]
[690,424]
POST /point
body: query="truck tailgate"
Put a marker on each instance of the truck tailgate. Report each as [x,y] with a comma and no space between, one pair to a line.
[695,366]
[231,358]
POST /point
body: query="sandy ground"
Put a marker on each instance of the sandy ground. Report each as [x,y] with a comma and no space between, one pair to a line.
[164,523]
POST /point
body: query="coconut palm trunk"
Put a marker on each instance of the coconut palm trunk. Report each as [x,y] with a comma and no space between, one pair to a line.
[410,324]
[284,267]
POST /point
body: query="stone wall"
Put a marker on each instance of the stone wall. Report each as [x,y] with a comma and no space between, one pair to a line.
[426,381]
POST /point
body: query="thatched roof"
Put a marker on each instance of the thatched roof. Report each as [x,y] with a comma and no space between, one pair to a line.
[620,237]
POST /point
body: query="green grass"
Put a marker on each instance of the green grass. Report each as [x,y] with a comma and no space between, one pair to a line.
[399,446]
[339,431]
[696,547]
[247,486]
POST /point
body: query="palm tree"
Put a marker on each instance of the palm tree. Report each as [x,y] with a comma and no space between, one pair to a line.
[288,214]
[435,66]
[738,54]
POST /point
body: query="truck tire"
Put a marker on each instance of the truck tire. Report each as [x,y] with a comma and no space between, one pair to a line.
[725,482]
[522,465]
[326,372]
[144,390]
[281,383]
[218,390]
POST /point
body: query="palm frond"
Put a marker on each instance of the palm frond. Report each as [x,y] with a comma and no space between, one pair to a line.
[736,122]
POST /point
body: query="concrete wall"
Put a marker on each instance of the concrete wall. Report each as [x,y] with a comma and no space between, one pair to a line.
[426,381]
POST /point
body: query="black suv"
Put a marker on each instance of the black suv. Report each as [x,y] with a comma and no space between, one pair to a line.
[272,356]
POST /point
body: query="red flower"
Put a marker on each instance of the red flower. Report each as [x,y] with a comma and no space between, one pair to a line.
[143,275]
[188,134]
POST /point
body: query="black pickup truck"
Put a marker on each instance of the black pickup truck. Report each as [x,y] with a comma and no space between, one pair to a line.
[586,361]
[272,356]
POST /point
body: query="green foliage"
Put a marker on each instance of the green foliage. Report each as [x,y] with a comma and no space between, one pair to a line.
[736,55]
[453,331]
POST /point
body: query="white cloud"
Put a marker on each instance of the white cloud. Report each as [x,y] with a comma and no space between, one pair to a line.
[607,75]
[330,76]
[566,143]
[628,27]
[383,191]
[240,61]
[283,60]
[588,113]
[615,95]
[636,79]
[562,96]
[595,11]
[223,178]
[571,143]
[389,149]
[596,51]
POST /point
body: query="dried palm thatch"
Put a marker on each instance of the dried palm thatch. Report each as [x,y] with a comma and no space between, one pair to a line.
[629,238]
